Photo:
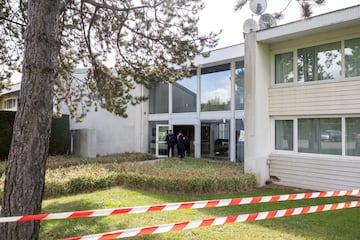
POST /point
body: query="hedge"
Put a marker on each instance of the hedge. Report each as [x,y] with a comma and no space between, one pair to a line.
[59,139]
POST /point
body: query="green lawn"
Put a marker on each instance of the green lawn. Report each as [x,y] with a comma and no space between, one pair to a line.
[339,224]
[172,181]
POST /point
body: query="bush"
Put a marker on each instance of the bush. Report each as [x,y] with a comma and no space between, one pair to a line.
[196,176]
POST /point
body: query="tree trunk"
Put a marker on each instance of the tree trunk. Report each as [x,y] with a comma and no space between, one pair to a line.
[25,172]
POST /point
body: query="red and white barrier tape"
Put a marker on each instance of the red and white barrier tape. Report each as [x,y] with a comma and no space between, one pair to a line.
[216,221]
[179,206]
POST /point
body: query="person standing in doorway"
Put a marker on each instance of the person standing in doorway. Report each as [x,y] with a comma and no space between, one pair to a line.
[181,144]
[171,141]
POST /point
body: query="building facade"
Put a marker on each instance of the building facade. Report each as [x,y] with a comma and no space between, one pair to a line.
[302,102]
[286,103]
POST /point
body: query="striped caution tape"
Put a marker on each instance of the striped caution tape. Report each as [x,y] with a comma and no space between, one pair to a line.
[179,206]
[216,221]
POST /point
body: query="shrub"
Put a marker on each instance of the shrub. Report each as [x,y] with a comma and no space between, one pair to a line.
[196,176]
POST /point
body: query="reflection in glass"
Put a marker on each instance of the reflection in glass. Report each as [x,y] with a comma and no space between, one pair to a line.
[284,135]
[239,85]
[352,57]
[159,98]
[319,135]
[353,136]
[184,95]
[215,88]
[215,139]
[240,140]
[284,68]
[152,135]
[319,62]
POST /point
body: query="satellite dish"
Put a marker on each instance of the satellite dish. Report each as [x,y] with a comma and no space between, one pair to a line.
[258,6]
[250,25]
[266,21]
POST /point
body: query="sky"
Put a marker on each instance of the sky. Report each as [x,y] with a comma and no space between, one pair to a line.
[219,15]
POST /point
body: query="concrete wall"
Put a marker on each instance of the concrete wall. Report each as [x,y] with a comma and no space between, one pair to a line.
[115,134]
[257,121]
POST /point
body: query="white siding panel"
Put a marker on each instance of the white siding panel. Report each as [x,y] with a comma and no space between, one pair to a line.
[328,97]
[320,173]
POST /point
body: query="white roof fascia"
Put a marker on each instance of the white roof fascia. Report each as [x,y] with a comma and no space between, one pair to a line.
[221,55]
[317,24]
[13,88]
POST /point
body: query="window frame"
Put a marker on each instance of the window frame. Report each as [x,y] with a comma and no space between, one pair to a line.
[295,49]
[295,120]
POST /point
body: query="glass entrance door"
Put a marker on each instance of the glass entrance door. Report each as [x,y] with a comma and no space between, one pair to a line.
[161,146]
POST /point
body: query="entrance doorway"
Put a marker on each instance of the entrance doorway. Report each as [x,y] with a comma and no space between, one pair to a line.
[189,132]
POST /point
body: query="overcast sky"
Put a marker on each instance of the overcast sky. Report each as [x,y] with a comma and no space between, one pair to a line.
[221,15]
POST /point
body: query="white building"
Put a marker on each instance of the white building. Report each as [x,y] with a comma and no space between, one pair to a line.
[302,102]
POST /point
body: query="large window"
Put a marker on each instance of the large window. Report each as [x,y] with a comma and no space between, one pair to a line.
[353,136]
[215,139]
[159,98]
[319,135]
[215,88]
[352,57]
[284,135]
[319,62]
[239,85]
[10,104]
[184,94]
[284,68]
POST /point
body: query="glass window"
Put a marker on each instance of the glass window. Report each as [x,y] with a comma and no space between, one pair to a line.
[319,135]
[159,98]
[9,104]
[352,136]
[319,62]
[184,94]
[152,135]
[352,57]
[239,85]
[284,135]
[215,139]
[215,88]
[240,140]
[284,68]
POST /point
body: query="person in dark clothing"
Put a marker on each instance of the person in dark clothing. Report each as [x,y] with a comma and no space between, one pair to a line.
[171,141]
[181,144]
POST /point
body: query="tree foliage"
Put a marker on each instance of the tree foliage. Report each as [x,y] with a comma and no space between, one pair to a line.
[150,40]
[305,7]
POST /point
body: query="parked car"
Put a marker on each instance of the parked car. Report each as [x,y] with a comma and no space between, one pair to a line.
[331,135]
[221,146]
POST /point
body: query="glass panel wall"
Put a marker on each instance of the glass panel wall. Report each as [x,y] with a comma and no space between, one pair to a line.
[240,140]
[239,85]
[215,139]
[184,94]
[319,135]
[215,88]
[159,98]
[352,57]
[352,136]
[284,135]
[319,62]
[284,67]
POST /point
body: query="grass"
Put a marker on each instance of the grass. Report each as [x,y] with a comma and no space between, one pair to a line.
[112,182]
[339,224]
